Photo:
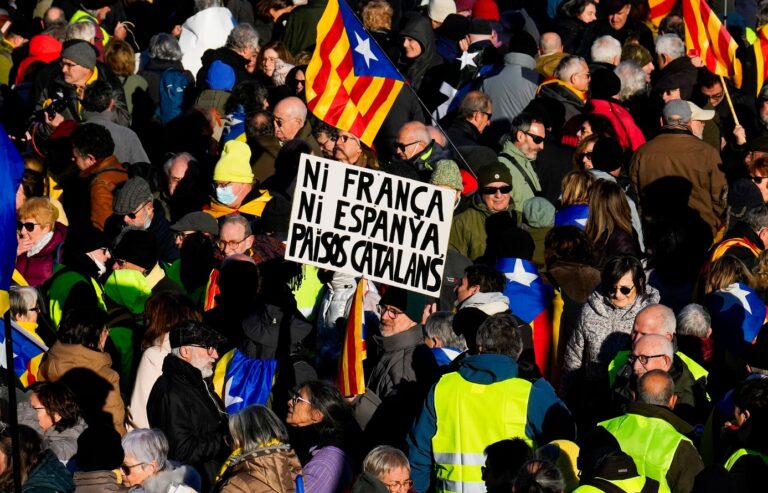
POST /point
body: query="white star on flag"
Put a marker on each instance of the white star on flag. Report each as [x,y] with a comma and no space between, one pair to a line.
[520,275]
[364,48]
[740,294]
[582,221]
[468,58]
[230,399]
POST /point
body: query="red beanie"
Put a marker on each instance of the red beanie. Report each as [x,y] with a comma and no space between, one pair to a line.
[486,9]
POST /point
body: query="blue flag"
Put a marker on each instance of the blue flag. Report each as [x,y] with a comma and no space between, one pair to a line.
[572,215]
[241,381]
[27,353]
[11,171]
[737,316]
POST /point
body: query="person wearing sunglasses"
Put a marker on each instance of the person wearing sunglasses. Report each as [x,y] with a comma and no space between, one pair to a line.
[474,116]
[146,465]
[414,145]
[39,238]
[468,232]
[519,153]
[758,173]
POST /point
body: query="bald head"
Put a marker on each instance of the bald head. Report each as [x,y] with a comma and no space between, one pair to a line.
[289,117]
[550,43]
[437,135]
[657,388]
[654,319]
[652,352]
[412,138]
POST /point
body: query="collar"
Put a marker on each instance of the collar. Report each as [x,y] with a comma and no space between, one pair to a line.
[155,275]
[253,207]
[41,243]
[557,82]
[660,412]
[403,340]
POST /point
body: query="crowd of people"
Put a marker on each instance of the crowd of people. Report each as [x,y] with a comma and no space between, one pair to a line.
[599,326]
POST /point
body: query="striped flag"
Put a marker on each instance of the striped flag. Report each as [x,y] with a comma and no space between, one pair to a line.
[760,48]
[659,9]
[28,352]
[351,84]
[351,378]
[707,37]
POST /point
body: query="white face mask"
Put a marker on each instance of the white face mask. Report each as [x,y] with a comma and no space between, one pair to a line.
[37,247]
[99,265]
[225,195]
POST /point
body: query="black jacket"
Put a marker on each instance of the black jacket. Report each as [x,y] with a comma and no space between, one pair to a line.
[463,133]
[188,411]
[224,55]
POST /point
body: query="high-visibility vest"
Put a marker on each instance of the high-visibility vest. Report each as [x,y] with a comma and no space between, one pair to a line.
[470,417]
[83,16]
[637,484]
[622,357]
[651,442]
[61,285]
[740,453]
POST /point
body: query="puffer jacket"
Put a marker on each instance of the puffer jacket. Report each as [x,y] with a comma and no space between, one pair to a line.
[601,331]
[97,482]
[273,469]
[38,268]
[48,476]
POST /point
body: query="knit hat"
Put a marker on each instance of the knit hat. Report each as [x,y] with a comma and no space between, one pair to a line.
[678,110]
[455,27]
[480,27]
[80,52]
[700,114]
[637,53]
[133,194]
[137,247]
[464,5]
[192,333]
[486,9]
[220,76]
[604,84]
[440,9]
[234,164]
[276,215]
[610,7]
[538,212]
[607,155]
[523,42]
[410,303]
[447,173]
[494,172]
[197,221]
[743,195]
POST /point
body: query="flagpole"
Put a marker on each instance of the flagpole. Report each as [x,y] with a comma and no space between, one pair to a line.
[730,103]
[423,106]
[13,419]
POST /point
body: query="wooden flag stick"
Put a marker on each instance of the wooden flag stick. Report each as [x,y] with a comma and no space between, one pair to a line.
[730,103]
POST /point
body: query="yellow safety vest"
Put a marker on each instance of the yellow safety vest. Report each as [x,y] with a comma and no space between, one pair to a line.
[83,16]
[630,485]
[470,417]
[622,357]
[651,442]
[60,287]
[739,454]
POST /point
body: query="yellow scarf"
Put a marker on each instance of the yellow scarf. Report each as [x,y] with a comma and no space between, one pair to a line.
[253,208]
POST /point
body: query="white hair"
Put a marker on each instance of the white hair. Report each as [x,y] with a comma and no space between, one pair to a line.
[694,320]
[568,67]
[606,49]
[84,30]
[632,78]
[206,4]
[670,45]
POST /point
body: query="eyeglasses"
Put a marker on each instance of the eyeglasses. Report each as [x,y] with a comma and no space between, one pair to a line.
[279,122]
[121,262]
[487,113]
[210,349]
[756,179]
[34,309]
[537,139]
[643,358]
[492,190]
[396,485]
[329,138]
[343,138]
[232,244]
[28,226]
[625,290]
[296,398]
[126,469]
[399,146]
[383,310]
[716,97]
[132,215]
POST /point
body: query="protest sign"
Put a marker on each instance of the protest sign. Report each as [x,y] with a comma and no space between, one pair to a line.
[365,222]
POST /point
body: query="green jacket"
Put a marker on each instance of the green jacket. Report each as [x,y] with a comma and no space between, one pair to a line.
[468,235]
[6,61]
[521,188]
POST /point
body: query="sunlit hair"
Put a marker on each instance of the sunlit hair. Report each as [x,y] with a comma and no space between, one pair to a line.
[120,57]
[384,459]
[256,427]
[41,210]
[581,148]
[162,312]
[725,271]
[576,186]
[377,15]
[608,212]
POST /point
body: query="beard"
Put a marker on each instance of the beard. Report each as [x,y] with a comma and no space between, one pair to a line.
[204,364]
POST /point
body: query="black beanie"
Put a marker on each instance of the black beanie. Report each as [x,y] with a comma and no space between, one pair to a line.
[607,155]
[408,302]
[604,84]
[523,42]
[138,247]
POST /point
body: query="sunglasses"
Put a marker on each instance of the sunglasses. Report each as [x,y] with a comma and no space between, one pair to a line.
[28,226]
[399,146]
[346,138]
[585,155]
[132,215]
[756,179]
[625,290]
[492,190]
[126,469]
[537,139]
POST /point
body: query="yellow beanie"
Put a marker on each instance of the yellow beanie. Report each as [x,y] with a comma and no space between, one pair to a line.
[234,164]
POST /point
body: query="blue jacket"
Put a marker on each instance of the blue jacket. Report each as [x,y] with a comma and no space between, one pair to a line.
[548,417]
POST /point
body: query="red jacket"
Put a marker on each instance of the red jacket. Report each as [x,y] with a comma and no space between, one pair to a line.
[39,267]
[629,134]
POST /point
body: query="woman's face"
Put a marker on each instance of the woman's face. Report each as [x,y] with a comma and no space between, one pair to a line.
[134,471]
[589,14]
[43,418]
[624,293]
[586,157]
[760,179]
[37,229]
[300,411]
[584,131]
[268,61]
[397,480]
[301,80]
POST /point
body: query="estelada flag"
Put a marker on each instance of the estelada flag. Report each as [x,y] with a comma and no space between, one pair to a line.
[351,84]
[760,47]
[351,379]
[708,38]
[659,9]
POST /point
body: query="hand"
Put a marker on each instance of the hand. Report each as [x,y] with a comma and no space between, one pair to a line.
[120,31]
[697,62]
[429,309]
[24,246]
[464,44]
[55,121]
[740,134]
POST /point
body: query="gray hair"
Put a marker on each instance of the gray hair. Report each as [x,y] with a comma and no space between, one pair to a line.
[670,45]
[473,102]
[163,46]
[656,397]
[22,299]
[294,107]
[500,334]
[167,164]
[237,219]
[147,445]
[253,427]
[243,37]
[440,325]
[206,4]
[384,459]
[757,218]
[605,49]
[568,67]
[84,30]
[632,78]
[693,320]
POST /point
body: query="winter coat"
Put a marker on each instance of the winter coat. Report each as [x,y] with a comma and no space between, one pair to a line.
[48,476]
[150,369]
[571,33]
[328,471]
[571,99]
[227,56]
[525,181]
[514,87]
[153,72]
[602,27]
[468,235]
[463,133]
[263,471]
[162,481]
[128,148]
[38,268]
[630,136]
[301,29]
[186,409]
[420,29]
[103,177]
[62,443]
[63,358]
[681,74]
[97,482]
[207,29]
[679,155]
[134,85]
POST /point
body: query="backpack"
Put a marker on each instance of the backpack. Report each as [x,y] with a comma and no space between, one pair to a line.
[173,88]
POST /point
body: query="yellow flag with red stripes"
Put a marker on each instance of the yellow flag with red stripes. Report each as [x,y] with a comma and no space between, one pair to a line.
[707,37]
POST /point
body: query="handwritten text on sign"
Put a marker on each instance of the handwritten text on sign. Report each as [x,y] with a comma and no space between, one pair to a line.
[364,222]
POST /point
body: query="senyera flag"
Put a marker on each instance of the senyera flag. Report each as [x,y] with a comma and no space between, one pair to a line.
[760,48]
[659,9]
[708,38]
[351,379]
[351,84]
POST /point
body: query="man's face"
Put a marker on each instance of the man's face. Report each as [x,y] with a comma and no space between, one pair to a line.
[763,110]
[73,73]
[327,143]
[347,148]
[670,94]
[286,126]
[407,146]
[532,141]
[714,94]
[176,173]
[411,47]
[581,79]
[645,358]
[141,216]
[618,19]
[484,118]
[202,358]
[495,196]
[464,291]
[232,239]
[394,321]
[83,161]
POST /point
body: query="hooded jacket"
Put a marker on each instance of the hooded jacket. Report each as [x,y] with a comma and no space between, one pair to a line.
[207,29]
[420,29]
